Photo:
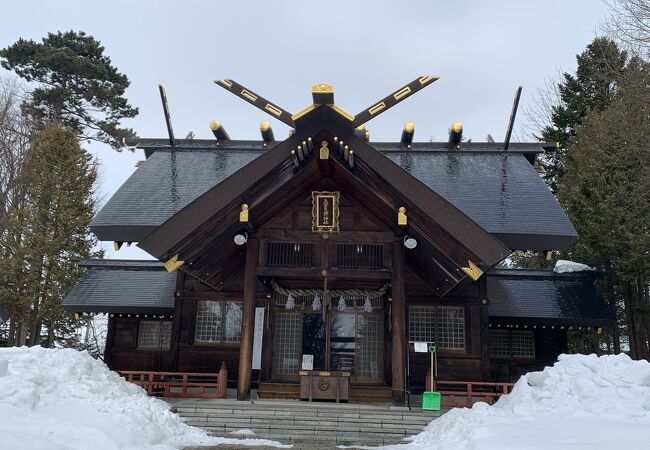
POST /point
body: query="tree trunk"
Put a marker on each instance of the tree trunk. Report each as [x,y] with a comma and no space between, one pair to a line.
[631,322]
[612,301]
[21,334]
[35,326]
[11,338]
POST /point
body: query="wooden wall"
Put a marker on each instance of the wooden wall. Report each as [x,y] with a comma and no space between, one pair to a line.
[122,352]
[549,344]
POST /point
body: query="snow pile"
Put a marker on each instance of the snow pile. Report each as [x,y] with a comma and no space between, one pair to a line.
[582,402]
[564,266]
[55,399]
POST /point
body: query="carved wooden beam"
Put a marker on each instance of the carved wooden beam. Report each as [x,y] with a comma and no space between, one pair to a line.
[256,100]
[393,99]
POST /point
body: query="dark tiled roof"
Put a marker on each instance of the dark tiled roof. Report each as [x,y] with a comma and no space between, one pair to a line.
[4,315]
[164,184]
[516,296]
[120,286]
[501,191]
[542,296]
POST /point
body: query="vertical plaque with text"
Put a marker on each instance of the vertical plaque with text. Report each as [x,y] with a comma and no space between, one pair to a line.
[325,211]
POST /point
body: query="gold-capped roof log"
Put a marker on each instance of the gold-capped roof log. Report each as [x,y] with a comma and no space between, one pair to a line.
[219,131]
[407,133]
[456,133]
[267,131]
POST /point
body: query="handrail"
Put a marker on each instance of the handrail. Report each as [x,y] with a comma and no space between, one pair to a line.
[469,392]
[180,384]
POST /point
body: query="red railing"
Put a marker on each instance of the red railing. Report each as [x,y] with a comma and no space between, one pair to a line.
[466,393]
[180,384]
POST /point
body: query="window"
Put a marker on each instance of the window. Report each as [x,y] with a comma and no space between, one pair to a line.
[155,334]
[451,327]
[444,325]
[512,344]
[289,254]
[359,256]
[217,322]
[523,344]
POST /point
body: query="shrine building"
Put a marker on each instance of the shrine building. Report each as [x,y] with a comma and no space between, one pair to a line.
[330,252]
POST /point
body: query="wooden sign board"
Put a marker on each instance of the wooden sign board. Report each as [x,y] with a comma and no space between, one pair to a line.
[325,211]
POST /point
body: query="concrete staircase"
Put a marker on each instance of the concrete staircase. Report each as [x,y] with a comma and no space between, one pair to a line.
[303,424]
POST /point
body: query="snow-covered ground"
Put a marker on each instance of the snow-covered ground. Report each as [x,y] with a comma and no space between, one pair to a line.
[56,399]
[582,402]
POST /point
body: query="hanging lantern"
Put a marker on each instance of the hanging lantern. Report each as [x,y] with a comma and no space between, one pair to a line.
[342,305]
[291,302]
[367,304]
[316,304]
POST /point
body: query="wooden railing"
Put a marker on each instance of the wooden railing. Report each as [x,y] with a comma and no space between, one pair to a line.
[180,384]
[466,393]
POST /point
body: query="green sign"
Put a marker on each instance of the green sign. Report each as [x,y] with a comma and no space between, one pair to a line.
[432,348]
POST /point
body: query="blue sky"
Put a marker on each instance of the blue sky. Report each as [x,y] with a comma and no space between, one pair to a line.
[481,50]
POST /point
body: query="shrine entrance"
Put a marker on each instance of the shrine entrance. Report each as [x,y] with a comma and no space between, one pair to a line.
[345,337]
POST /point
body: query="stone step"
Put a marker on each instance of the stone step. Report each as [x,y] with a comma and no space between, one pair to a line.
[330,428]
[351,434]
[305,424]
[305,421]
[309,417]
[287,436]
[290,421]
[314,411]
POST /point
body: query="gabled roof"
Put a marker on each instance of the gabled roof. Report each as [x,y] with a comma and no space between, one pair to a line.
[123,286]
[450,240]
[522,296]
[499,190]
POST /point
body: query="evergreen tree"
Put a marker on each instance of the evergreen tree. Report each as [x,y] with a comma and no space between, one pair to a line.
[597,77]
[605,189]
[47,234]
[76,85]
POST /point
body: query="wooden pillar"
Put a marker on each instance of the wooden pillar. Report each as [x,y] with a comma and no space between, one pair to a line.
[248,321]
[398,311]
[485,329]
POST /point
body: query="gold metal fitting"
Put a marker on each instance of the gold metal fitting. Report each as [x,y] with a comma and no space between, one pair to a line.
[402,219]
[409,127]
[265,125]
[173,263]
[243,214]
[215,124]
[457,127]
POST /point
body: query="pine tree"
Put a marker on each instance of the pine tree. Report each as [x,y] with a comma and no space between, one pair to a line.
[48,233]
[77,85]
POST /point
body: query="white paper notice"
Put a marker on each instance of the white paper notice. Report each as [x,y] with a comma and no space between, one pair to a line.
[307,362]
[420,347]
[258,336]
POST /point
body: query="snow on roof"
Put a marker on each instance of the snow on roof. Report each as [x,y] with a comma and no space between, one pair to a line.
[583,401]
[564,266]
[56,399]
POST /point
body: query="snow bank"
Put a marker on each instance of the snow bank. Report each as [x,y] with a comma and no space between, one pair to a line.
[582,402]
[55,399]
[564,266]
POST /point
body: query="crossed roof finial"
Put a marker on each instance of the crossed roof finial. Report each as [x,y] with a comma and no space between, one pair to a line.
[323,94]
